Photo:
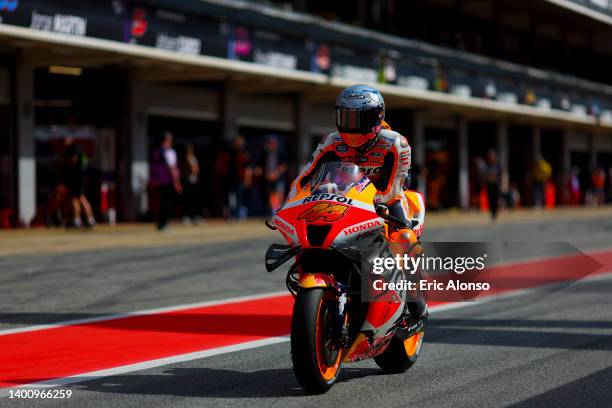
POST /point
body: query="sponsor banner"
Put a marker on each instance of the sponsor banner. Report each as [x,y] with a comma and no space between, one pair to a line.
[102,19]
[120,20]
[176,31]
[408,71]
[461,82]
[354,64]
[269,48]
[320,57]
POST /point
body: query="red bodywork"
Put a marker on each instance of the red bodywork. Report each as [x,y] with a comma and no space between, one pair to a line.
[339,215]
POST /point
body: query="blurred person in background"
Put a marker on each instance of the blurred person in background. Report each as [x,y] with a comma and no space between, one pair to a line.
[542,172]
[239,178]
[480,167]
[220,186]
[272,166]
[435,184]
[73,178]
[574,186]
[492,180]
[505,191]
[514,196]
[598,184]
[53,211]
[165,178]
[190,174]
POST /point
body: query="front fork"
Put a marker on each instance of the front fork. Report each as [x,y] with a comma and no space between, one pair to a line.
[340,324]
[337,300]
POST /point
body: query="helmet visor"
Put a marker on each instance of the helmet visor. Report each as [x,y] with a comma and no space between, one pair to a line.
[357,121]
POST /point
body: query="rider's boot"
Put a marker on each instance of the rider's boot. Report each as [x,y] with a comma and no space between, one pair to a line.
[404,241]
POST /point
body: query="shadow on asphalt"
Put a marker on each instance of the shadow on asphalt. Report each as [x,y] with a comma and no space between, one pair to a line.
[520,333]
[549,324]
[591,391]
[209,383]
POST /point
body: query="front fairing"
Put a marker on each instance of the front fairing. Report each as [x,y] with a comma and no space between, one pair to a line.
[324,220]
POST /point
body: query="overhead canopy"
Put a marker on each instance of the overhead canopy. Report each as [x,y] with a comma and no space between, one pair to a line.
[176,58]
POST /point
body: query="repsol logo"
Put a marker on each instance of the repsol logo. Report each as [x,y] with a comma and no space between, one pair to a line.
[364,226]
[328,197]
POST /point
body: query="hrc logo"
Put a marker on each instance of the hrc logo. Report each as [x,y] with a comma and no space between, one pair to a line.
[324,212]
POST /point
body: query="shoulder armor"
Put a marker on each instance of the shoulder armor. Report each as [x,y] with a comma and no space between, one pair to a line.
[394,138]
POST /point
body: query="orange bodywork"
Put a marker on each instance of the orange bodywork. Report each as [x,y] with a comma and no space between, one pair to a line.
[316,280]
[325,212]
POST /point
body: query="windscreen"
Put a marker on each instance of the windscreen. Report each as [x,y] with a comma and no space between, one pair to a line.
[335,177]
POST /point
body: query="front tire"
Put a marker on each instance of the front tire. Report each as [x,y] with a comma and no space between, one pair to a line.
[401,354]
[316,360]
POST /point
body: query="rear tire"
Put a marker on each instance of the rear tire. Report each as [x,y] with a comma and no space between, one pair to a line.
[401,354]
[315,365]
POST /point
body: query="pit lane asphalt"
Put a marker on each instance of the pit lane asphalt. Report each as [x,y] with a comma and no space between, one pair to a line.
[547,348]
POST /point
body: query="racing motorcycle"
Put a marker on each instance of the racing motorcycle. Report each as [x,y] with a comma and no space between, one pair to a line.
[330,225]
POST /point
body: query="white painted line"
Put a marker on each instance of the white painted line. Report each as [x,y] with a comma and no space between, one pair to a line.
[93,375]
[141,312]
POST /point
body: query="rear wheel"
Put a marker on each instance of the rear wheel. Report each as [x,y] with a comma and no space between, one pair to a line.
[316,358]
[401,354]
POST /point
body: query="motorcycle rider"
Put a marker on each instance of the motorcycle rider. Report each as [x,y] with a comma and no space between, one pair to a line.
[364,138]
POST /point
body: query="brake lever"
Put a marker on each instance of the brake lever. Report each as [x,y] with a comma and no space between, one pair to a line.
[397,222]
[383,211]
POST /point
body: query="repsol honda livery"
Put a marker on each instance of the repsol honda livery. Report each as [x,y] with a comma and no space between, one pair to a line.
[329,224]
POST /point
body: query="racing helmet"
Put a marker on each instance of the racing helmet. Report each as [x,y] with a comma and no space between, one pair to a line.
[360,111]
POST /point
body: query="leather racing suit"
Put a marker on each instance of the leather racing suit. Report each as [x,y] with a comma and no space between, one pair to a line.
[386,162]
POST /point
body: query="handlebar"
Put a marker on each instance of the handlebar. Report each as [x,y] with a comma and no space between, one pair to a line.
[383,211]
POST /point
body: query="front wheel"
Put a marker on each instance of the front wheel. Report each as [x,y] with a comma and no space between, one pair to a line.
[316,357]
[400,355]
